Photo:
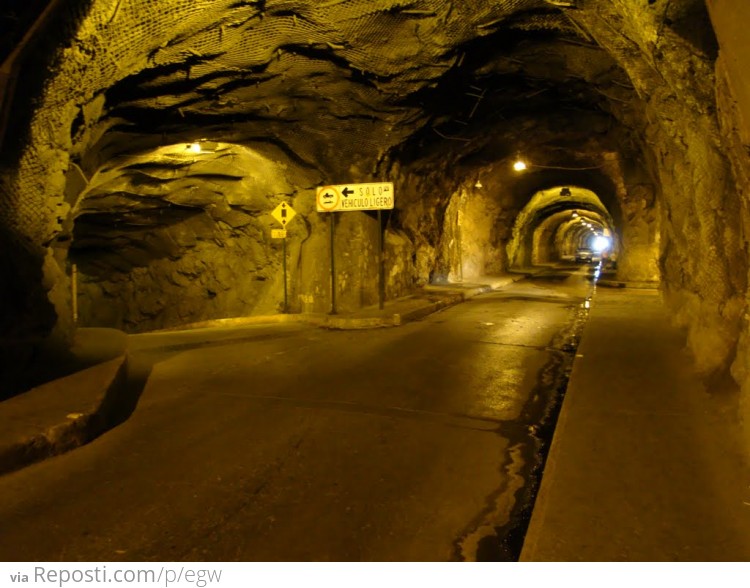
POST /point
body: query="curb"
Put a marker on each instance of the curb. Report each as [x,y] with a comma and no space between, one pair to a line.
[247,320]
[451,295]
[338,322]
[345,323]
[634,285]
[418,313]
[395,320]
[79,428]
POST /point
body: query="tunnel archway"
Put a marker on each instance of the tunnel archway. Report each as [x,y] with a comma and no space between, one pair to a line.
[433,99]
[174,231]
[554,222]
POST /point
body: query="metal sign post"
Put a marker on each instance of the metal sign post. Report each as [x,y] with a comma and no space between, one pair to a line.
[333,272]
[283,213]
[350,197]
[74,293]
[286,304]
[381,263]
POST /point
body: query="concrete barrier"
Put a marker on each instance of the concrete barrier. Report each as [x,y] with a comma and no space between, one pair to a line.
[61,415]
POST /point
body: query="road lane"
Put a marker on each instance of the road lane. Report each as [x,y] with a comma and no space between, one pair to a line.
[295,443]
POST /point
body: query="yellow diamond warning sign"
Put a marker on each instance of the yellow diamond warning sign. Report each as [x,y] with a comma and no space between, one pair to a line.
[283,213]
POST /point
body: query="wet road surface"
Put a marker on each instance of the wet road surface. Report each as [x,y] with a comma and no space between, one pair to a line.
[289,442]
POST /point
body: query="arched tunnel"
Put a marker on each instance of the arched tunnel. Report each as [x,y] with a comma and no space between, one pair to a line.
[146,144]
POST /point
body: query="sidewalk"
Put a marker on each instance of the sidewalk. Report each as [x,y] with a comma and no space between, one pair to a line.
[645,463]
[70,411]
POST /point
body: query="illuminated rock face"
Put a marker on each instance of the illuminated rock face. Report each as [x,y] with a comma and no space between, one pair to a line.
[619,99]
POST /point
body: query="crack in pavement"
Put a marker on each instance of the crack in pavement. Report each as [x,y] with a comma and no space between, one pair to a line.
[448,418]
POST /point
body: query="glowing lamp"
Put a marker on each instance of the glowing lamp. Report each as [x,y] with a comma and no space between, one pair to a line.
[600,243]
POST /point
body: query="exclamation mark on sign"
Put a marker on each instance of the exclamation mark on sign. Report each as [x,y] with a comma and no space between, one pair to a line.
[283,214]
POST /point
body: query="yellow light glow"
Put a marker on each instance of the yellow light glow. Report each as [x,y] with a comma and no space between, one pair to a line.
[519,165]
[195,147]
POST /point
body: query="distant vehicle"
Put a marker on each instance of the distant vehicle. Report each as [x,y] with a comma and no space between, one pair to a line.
[584,255]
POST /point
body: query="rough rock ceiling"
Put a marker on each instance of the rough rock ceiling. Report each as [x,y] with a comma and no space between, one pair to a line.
[357,75]
[322,91]
[336,86]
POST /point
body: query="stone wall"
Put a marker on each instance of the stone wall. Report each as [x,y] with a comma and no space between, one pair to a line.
[733,102]
[668,50]
[482,245]
[217,271]
[729,18]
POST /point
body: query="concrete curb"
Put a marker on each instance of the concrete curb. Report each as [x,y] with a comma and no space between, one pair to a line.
[247,320]
[418,313]
[635,285]
[394,320]
[449,295]
[97,388]
[341,322]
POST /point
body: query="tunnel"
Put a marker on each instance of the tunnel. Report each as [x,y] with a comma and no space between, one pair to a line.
[145,146]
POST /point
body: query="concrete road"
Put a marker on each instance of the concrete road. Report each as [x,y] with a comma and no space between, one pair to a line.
[287,442]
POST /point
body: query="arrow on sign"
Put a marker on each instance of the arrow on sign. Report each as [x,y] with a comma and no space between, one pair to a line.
[283,213]
[346,191]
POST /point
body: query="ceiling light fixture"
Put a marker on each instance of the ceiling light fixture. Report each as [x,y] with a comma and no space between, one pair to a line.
[562,3]
[521,165]
[478,184]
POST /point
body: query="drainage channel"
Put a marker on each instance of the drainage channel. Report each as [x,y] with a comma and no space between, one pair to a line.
[530,438]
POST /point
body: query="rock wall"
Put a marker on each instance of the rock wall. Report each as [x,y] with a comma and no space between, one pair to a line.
[215,269]
[703,256]
[218,271]
[668,50]
[639,231]
[469,238]
[733,103]
[423,196]
[738,151]
[555,237]
[482,243]
[729,20]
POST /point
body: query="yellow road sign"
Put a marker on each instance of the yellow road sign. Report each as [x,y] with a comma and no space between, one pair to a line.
[344,197]
[283,213]
[278,233]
